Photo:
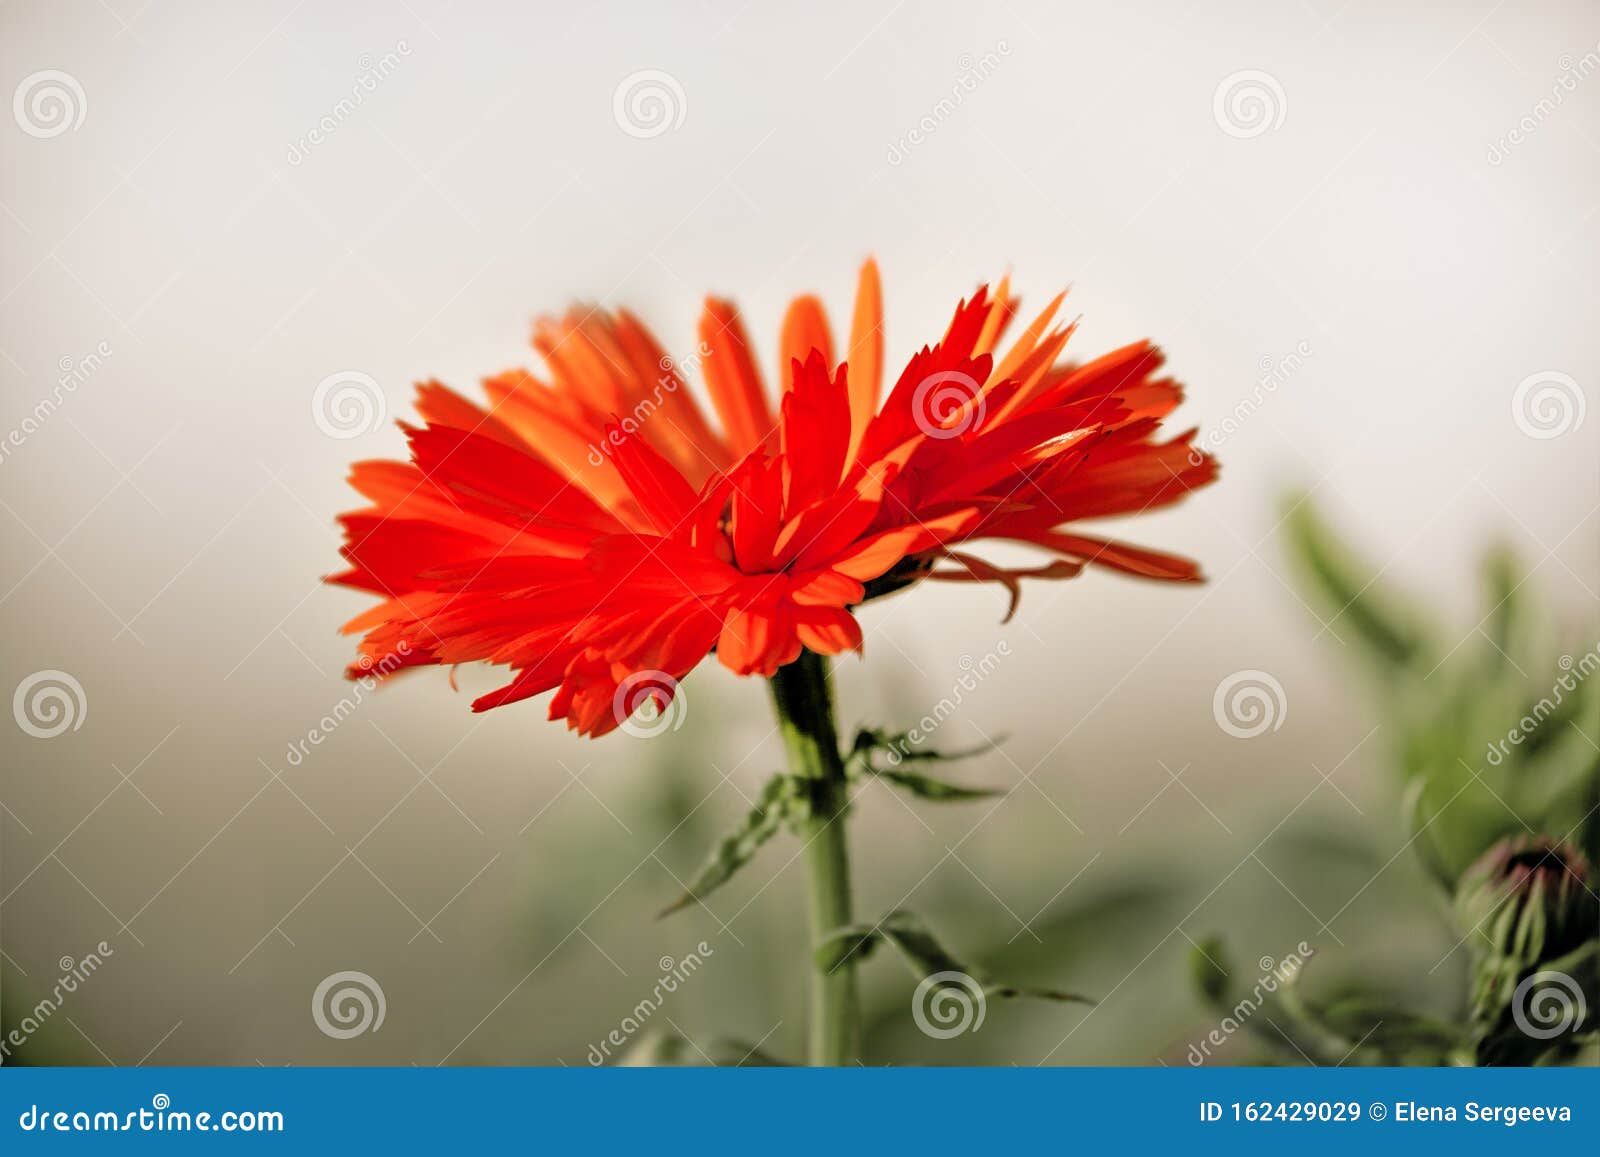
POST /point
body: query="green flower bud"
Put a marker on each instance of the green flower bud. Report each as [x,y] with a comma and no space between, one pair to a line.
[1525,901]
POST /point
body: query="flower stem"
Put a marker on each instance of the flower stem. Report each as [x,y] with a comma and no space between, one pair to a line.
[803,695]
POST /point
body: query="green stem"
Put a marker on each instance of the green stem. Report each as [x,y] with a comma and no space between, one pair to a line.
[803,695]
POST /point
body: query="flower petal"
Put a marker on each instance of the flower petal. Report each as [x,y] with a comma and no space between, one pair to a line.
[865,356]
[805,328]
[731,376]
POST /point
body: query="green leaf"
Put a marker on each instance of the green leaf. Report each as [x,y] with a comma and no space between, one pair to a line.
[1560,1008]
[900,747]
[1387,1028]
[870,739]
[1414,809]
[780,799]
[926,787]
[1501,583]
[1348,588]
[922,954]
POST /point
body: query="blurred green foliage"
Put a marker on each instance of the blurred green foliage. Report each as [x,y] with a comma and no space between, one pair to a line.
[1493,733]
[1493,737]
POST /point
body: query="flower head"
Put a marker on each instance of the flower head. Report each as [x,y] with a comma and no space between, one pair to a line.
[591,523]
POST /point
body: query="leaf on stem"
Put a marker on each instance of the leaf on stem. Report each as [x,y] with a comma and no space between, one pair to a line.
[901,749]
[780,799]
[922,953]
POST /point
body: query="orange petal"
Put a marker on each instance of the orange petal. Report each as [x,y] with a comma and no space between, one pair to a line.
[1001,311]
[732,378]
[667,499]
[827,630]
[873,556]
[681,410]
[1122,556]
[541,418]
[805,328]
[745,639]
[866,353]
[828,589]
[1029,337]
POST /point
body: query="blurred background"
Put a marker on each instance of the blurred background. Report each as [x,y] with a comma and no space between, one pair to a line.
[1365,233]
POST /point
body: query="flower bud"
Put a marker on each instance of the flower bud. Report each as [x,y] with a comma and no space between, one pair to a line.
[1524,902]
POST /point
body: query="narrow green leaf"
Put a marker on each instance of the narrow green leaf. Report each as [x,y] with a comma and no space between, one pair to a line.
[870,739]
[899,747]
[922,954]
[778,800]
[1011,992]
[1388,1028]
[1349,588]
[1501,584]
[926,787]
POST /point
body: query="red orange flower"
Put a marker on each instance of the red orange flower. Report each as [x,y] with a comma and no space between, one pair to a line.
[592,524]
